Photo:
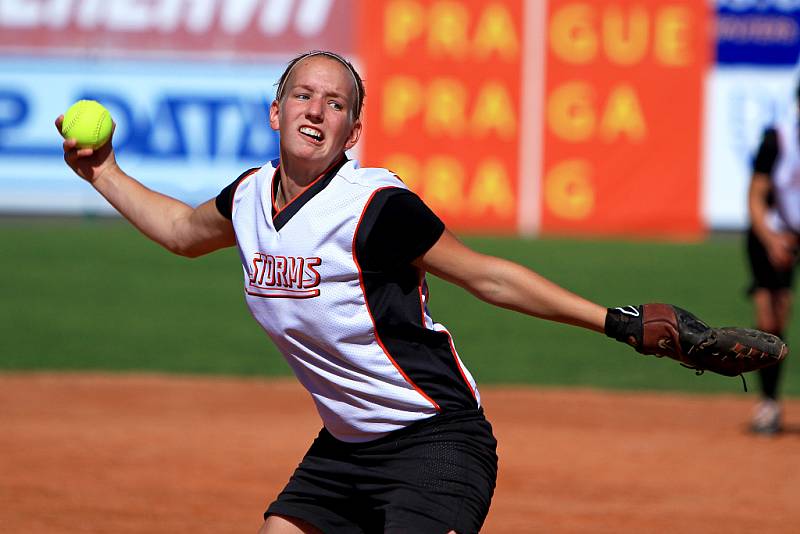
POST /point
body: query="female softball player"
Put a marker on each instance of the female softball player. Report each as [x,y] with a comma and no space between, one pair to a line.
[334,259]
[772,247]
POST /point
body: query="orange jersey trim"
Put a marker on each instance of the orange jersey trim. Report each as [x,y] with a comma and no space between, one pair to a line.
[369,311]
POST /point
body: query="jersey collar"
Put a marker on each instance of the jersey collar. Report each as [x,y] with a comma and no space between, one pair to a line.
[281,216]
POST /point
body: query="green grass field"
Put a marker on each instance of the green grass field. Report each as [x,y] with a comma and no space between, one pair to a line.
[88,294]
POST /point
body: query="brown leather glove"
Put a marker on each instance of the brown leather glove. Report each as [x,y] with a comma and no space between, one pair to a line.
[666,330]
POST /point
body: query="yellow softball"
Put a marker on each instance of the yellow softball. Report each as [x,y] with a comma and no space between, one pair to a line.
[88,122]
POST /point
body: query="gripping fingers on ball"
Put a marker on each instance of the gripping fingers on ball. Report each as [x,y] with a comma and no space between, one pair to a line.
[72,152]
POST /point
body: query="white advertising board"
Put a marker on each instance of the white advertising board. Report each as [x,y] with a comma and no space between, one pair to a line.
[740,103]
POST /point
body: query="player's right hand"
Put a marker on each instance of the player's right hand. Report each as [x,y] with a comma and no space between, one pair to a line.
[88,163]
[782,250]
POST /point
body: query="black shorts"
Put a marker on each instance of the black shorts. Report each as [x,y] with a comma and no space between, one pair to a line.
[433,476]
[765,276]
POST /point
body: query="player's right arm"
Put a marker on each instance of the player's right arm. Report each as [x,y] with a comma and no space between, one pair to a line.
[176,226]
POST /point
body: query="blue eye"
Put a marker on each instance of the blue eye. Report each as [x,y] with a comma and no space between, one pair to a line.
[336,105]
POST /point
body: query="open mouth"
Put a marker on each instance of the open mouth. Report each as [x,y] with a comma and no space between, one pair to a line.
[312,133]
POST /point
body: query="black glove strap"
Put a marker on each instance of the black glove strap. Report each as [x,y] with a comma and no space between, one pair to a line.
[625,324]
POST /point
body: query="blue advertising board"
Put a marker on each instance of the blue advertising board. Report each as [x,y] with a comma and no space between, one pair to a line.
[758,32]
[183,128]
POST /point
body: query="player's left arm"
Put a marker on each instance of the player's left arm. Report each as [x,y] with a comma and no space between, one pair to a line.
[656,329]
[508,284]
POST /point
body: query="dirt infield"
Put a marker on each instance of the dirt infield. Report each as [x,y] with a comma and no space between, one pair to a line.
[153,454]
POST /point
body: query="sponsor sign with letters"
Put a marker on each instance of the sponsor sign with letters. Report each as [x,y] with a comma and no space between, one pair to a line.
[623,104]
[179,130]
[758,32]
[751,86]
[203,28]
[188,82]
[445,110]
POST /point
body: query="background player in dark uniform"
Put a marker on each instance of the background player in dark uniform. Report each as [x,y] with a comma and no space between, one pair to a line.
[772,242]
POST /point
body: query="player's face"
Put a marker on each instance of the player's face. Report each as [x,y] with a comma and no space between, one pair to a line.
[314,117]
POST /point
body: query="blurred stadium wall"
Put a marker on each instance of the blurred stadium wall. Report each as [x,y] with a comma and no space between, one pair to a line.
[557,117]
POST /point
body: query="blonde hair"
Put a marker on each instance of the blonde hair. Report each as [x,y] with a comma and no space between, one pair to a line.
[359,103]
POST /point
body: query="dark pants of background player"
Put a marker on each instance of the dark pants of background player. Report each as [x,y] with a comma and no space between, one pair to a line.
[433,476]
[765,276]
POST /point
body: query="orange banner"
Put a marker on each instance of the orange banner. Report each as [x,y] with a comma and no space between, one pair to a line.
[622,117]
[443,104]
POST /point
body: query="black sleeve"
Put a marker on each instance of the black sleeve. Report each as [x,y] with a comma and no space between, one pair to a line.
[224,200]
[767,152]
[396,229]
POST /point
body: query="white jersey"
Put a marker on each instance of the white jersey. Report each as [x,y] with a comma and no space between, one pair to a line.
[784,215]
[363,344]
